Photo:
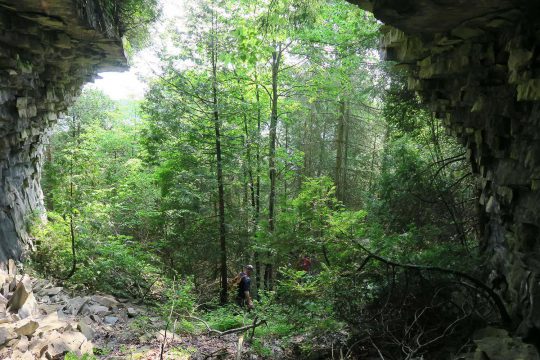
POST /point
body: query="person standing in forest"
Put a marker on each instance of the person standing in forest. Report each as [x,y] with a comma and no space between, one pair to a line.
[244,296]
[305,264]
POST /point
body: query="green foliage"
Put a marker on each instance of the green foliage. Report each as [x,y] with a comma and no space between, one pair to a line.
[225,318]
[72,356]
[133,19]
[260,348]
[96,178]
[185,326]
[425,187]
[315,222]
[112,264]
[52,256]
[116,266]
[180,298]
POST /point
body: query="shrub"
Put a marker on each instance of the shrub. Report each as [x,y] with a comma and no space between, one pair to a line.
[112,264]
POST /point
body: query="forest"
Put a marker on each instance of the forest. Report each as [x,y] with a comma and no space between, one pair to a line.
[273,134]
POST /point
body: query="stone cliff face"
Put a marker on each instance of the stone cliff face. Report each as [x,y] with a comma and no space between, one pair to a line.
[48,49]
[477,63]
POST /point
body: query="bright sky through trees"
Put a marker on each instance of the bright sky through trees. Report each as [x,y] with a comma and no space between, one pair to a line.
[131,84]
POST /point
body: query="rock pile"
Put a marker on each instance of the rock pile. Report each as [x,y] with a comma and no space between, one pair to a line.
[41,321]
[497,344]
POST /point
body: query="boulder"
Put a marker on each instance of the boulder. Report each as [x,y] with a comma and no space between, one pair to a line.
[111,320]
[26,327]
[22,355]
[74,306]
[4,318]
[37,347]
[105,300]
[86,329]
[131,312]
[51,323]
[12,284]
[12,342]
[52,291]
[497,344]
[86,348]
[39,284]
[3,277]
[95,310]
[23,344]
[56,348]
[46,309]
[22,291]
[29,307]
[12,268]
[6,335]
[5,289]
[61,344]
[3,300]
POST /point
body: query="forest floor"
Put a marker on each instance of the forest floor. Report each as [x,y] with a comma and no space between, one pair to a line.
[42,321]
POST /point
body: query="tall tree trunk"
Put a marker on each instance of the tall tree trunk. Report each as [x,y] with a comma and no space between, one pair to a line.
[245,190]
[219,168]
[346,157]
[306,143]
[322,147]
[340,132]
[284,178]
[371,185]
[258,180]
[276,58]
[249,170]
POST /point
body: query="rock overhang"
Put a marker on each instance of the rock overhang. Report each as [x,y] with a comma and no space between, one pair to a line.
[477,65]
[48,50]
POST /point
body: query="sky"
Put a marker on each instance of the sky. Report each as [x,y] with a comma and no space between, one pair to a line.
[131,84]
[120,85]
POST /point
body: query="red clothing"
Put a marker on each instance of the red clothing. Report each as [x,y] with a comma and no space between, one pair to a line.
[306,264]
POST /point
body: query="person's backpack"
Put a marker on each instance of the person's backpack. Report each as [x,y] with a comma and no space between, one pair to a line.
[235,282]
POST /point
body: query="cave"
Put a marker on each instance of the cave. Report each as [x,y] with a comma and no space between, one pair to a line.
[475,63]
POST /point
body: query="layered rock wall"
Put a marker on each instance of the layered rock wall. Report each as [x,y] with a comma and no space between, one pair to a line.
[48,49]
[477,63]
